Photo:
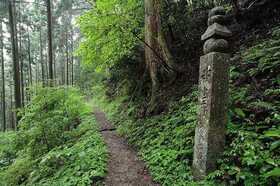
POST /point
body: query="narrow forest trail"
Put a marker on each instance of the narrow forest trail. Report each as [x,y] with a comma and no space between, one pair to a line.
[124,167]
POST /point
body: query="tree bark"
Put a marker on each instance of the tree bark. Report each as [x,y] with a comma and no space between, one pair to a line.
[72,57]
[42,59]
[20,52]
[151,35]
[67,57]
[15,59]
[50,49]
[36,73]
[22,85]
[156,48]
[3,77]
[29,60]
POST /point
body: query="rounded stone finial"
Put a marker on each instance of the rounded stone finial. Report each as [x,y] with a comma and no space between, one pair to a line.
[220,19]
[215,45]
[217,11]
[217,33]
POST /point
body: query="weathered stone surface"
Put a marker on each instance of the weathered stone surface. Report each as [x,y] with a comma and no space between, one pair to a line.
[215,45]
[216,30]
[217,11]
[212,118]
[221,19]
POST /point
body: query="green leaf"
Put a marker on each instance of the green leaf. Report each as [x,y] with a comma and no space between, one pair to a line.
[239,112]
[273,133]
[275,145]
[275,172]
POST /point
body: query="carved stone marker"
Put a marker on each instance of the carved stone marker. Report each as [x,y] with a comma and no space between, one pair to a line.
[213,98]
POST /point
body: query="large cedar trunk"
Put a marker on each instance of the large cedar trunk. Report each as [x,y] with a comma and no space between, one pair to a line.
[156,50]
[16,71]
[151,35]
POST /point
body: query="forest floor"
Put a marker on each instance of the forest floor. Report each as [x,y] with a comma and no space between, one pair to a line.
[124,167]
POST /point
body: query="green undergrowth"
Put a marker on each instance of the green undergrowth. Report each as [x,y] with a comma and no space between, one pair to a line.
[251,156]
[57,143]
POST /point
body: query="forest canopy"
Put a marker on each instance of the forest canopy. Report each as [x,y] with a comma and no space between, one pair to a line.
[112,29]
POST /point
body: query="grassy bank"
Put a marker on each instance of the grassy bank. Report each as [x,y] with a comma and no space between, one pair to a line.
[57,143]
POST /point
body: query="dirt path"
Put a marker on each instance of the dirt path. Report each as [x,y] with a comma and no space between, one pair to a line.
[124,168]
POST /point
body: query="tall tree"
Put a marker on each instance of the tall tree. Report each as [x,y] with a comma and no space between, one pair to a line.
[3,76]
[19,36]
[42,58]
[16,72]
[72,57]
[151,34]
[67,56]
[29,58]
[156,52]
[50,49]
[12,115]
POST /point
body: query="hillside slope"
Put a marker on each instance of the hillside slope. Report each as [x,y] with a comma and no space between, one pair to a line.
[252,154]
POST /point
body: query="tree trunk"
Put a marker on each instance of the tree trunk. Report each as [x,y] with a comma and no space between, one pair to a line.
[63,82]
[15,59]
[42,59]
[50,51]
[22,85]
[20,52]
[72,57]
[12,118]
[54,67]
[156,50]
[29,61]
[151,35]
[54,23]
[36,73]
[3,77]
[72,70]
[67,58]
[47,66]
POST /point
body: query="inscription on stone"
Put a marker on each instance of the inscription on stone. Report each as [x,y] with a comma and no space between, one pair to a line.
[213,97]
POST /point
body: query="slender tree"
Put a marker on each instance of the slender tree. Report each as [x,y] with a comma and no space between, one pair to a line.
[36,73]
[42,59]
[30,82]
[47,65]
[67,56]
[20,53]
[72,56]
[50,49]
[3,77]
[29,58]
[12,115]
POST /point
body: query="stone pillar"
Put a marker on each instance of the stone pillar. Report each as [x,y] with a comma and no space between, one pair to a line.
[213,97]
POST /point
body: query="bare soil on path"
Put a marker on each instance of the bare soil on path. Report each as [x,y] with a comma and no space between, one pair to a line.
[124,168]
